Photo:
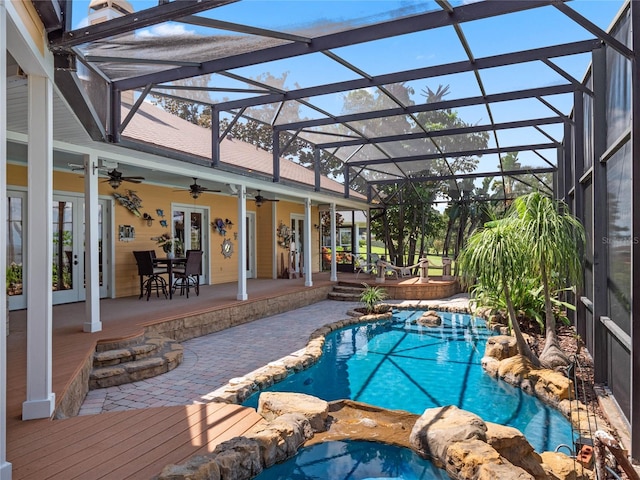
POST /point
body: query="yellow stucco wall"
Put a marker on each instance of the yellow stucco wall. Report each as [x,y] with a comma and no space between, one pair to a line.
[222,270]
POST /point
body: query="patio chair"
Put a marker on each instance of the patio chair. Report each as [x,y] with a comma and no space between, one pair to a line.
[369,267]
[189,275]
[150,276]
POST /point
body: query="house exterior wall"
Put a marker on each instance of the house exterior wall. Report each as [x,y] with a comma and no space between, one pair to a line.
[222,270]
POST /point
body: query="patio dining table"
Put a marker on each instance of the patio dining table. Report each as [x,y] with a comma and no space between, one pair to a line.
[170,262]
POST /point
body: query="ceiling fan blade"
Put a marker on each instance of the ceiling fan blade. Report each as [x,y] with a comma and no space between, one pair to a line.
[132,179]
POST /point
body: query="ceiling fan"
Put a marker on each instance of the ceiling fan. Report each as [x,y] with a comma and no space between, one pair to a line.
[259,199]
[115,177]
[196,189]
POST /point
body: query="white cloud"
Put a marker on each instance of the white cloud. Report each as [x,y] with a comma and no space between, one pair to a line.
[166,30]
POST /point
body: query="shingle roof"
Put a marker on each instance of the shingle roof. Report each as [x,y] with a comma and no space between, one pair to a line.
[153,125]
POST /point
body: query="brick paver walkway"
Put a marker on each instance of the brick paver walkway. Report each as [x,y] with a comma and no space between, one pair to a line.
[212,360]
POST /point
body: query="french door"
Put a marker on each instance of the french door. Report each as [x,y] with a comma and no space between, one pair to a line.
[190,226]
[250,230]
[67,281]
[297,238]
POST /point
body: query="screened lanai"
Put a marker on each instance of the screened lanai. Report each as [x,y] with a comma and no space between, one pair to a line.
[396,93]
[360,83]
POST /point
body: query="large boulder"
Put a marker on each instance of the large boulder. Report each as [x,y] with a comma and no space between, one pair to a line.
[430,318]
[274,404]
[463,459]
[561,467]
[440,427]
[199,467]
[281,438]
[515,369]
[501,347]
[238,459]
[510,443]
[552,387]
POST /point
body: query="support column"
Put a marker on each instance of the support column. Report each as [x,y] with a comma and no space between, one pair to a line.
[599,209]
[635,227]
[92,322]
[578,197]
[242,243]
[308,282]
[334,267]
[40,401]
[5,467]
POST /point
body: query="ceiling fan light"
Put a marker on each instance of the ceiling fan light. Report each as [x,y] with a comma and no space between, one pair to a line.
[195,194]
[258,202]
[115,182]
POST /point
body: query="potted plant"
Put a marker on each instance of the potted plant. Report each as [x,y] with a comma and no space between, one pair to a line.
[371,297]
[169,245]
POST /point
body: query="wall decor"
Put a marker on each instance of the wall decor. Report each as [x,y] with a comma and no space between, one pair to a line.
[163,223]
[148,218]
[130,201]
[219,225]
[284,235]
[126,233]
[227,248]
[160,212]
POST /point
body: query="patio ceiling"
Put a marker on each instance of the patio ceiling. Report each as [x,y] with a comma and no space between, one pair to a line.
[350,78]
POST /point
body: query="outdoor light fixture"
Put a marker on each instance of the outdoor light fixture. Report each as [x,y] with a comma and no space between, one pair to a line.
[258,201]
[114,182]
[149,219]
[195,194]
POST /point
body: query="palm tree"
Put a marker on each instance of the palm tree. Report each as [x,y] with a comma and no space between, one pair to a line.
[555,240]
[495,256]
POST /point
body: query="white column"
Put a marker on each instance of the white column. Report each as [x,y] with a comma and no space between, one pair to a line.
[308,282]
[40,397]
[242,243]
[5,467]
[334,267]
[92,322]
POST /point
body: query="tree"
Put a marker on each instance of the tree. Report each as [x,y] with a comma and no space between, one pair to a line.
[495,257]
[555,240]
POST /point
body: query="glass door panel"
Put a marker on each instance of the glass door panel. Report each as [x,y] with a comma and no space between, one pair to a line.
[64,259]
[15,253]
[297,239]
[188,228]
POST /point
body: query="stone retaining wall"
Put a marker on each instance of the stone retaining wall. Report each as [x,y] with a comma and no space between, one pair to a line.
[422,291]
[204,323]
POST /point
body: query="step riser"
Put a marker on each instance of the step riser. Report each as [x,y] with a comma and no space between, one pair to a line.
[149,357]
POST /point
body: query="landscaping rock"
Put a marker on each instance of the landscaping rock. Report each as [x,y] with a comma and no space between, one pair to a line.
[200,467]
[561,467]
[510,443]
[552,387]
[274,404]
[463,459]
[238,459]
[281,439]
[440,427]
[501,347]
[514,369]
[430,318]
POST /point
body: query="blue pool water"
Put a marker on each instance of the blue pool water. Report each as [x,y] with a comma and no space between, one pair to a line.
[399,365]
[354,461]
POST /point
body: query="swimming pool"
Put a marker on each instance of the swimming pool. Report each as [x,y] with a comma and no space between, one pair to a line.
[354,461]
[399,365]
